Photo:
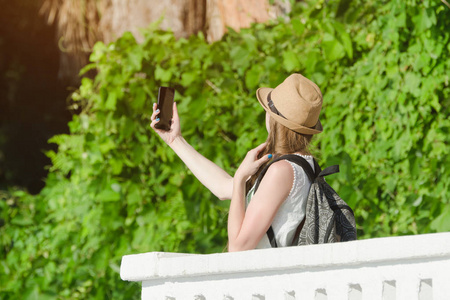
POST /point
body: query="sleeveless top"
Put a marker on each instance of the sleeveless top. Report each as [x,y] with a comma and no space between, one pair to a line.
[292,211]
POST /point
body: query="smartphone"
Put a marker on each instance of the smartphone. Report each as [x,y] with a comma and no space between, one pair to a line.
[166,96]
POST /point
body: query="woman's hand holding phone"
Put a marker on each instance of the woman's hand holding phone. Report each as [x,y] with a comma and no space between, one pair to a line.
[175,130]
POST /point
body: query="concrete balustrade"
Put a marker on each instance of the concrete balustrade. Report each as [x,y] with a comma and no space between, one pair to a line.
[394,268]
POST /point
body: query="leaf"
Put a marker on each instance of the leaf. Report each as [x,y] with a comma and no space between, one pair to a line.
[106,146]
[442,222]
[22,220]
[116,187]
[253,76]
[188,78]
[138,154]
[134,196]
[412,83]
[239,59]
[424,19]
[135,59]
[344,38]
[139,100]
[162,74]
[32,293]
[108,195]
[332,48]
[87,68]
[111,101]
[98,52]
[298,26]
[116,166]
[290,61]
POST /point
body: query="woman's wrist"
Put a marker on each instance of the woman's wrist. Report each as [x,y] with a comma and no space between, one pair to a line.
[178,140]
[239,179]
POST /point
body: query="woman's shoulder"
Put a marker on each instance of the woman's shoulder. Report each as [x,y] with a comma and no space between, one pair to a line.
[287,169]
[277,181]
[280,165]
[281,168]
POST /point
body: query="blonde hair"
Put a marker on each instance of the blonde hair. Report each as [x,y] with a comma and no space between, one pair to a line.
[280,141]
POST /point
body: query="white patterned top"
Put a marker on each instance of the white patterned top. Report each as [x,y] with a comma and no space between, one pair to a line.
[292,211]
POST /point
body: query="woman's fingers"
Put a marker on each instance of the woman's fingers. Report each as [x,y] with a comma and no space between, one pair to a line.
[153,123]
[175,122]
[153,117]
[175,112]
[261,147]
[155,112]
[264,159]
[255,151]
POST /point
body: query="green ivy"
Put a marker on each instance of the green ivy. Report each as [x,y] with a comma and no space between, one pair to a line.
[115,188]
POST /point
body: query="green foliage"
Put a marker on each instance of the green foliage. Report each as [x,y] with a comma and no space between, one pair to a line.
[115,188]
[388,122]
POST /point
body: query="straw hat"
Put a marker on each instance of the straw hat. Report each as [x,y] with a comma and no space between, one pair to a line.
[295,103]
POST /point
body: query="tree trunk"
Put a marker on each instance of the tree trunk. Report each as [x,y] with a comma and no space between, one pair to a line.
[82,23]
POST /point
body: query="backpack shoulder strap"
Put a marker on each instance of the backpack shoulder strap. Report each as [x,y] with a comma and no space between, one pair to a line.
[305,165]
[312,175]
[330,170]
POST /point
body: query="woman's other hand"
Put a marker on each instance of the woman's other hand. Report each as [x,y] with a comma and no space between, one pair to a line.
[175,129]
[251,163]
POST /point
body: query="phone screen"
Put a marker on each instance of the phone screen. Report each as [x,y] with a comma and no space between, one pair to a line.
[165,104]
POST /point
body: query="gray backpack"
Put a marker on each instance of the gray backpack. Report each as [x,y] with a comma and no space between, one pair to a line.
[328,218]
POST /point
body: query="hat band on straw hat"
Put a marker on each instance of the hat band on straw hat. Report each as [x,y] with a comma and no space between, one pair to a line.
[272,106]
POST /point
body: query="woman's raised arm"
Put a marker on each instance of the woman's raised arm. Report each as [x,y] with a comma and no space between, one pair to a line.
[214,178]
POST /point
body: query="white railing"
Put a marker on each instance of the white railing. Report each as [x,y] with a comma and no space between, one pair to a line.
[401,268]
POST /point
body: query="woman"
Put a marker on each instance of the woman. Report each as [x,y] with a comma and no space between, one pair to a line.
[292,118]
